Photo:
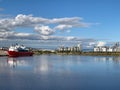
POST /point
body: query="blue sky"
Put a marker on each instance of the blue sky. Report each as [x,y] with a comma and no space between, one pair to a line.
[101,17]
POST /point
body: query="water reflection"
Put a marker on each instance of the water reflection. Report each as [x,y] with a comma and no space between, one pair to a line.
[20,63]
[44,64]
[12,62]
[114,59]
[56,72]
[63,64]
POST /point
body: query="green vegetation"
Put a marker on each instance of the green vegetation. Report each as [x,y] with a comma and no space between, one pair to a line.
[101,53]
[40,52]
[48,52]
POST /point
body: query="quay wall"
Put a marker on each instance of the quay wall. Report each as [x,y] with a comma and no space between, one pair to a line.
[3,53]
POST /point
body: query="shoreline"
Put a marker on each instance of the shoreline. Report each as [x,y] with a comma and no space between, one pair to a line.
[78,53]
[40,52]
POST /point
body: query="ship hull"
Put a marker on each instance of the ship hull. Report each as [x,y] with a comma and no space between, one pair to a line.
[17,54]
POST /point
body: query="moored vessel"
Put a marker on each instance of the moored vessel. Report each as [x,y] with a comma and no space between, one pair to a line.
[19,50]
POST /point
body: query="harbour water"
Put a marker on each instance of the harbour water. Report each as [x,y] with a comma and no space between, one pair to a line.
[60,72]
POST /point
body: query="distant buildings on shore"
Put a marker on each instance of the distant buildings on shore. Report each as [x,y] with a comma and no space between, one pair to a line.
[114,48]
[77,48]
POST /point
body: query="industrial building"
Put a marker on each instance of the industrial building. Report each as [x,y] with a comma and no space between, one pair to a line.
[72,49]
[114,48]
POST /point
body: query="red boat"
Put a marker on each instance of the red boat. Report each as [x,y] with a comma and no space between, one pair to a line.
[19,50]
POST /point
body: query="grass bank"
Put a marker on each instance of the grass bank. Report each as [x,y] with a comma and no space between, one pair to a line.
[78,53]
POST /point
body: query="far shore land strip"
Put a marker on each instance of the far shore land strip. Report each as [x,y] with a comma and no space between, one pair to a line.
[75,50]
[56,52]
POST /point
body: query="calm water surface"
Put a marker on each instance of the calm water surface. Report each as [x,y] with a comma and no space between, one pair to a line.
[54,72]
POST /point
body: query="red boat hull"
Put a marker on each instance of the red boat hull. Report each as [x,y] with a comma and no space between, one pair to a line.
[17,54]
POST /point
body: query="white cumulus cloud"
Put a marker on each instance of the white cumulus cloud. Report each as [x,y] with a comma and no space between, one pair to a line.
[42,26]
[44,30]
[101,43]
[62,27]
